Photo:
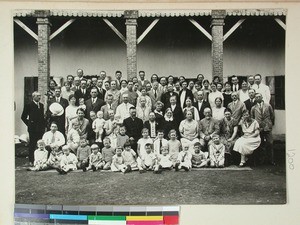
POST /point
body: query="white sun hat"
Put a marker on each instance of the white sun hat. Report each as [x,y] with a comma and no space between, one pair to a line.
[24,138]
[56,109]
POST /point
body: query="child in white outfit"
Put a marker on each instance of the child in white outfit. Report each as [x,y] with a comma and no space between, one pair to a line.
[163,160]
[95,159]
[216,152]
[147,160]
[129,157]
[40,157]
[68,161]
[184,160]
[98,126]
[118,162]
[199,158]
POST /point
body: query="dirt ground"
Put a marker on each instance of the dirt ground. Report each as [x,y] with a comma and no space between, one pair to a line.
[262,184]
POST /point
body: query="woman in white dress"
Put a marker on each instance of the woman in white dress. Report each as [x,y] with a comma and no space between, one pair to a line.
[213,95]
[189,131]
[243,93]
[218,111]
[190,107]
[71,112]
[250,140]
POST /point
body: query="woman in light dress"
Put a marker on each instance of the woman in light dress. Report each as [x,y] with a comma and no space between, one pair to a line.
[250,140]
[71,112]
[218,111]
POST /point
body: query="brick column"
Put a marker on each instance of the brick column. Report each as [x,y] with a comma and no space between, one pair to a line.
[131,42]
[217,24]
[43,51]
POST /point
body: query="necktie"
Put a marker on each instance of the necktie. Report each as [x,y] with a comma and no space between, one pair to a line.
[155,95]
[38,105]
[53,138]
[160,145]
[94,100]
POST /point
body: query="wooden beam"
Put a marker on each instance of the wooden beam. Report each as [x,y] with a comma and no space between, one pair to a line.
[115,30]
[235,26]
[68,23]
[147,30]
[201,28]
[27,29]
[281,23]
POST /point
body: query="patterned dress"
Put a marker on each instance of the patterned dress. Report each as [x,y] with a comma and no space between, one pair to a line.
[226,131]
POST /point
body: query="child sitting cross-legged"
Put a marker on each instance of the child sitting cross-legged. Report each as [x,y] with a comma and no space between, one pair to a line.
[95,159]
[55,157]
[184,159]
[40,157]
[107,153]
[83,153]
[68,161]
[147,160]
[199,158]
[129,157]
[163,160]
[118,162]
[216,152]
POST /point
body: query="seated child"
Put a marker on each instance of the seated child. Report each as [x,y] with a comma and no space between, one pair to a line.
[163,160]
[107,154]
[174,146]
[141,149]
[55,157]
[147,160]
[68,161]
[129,157]
[40,157]
[95,159]
[83,153]
[159,142]
[81,104]
[216,152]
[118,162]
[98,126]
[73,137]
[184,160]
[121,136]
[199,158]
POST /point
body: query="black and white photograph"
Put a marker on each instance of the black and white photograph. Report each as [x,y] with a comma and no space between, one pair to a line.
[137,106]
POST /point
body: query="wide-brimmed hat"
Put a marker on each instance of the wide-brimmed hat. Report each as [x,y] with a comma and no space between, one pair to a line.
[56,109]
[24,138]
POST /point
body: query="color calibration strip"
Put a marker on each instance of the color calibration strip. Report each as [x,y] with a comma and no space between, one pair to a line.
[95,215]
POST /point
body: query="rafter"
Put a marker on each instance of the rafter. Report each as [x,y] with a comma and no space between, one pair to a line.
[27,29]
[149,28]
[233,28]
[208,35]
[115,30]
[68,23]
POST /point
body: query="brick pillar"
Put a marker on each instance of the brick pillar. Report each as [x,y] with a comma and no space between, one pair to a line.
[43,51]
[217,24]
[131,42]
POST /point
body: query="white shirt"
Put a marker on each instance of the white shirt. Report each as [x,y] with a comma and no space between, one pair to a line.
[142,142]
[235,87]
[67,159]
[122,111]
[152,130]
[59,138]
[143,113]
[156,145]
[182,98]
[243,95]
[40,156]
[264,90]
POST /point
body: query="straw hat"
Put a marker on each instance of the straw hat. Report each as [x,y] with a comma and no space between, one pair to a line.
[24,138]
[56,109]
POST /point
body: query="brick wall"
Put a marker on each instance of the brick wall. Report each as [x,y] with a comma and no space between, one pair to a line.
[217,24]
[43,55]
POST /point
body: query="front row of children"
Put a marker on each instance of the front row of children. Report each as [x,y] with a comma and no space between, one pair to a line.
[125,159]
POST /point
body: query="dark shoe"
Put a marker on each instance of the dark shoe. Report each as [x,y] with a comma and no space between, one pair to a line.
[59,171]
[176,167]
[185,168]
[142,171]
[84,169]
[94,168]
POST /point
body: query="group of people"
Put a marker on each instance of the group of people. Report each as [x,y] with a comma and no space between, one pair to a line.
[139,124]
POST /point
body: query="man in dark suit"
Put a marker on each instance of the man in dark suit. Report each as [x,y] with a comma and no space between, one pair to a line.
[59,119]
[176,110]
[82,92]
[94,103]
[134,127]
[152,125]
[142,81]
[165,98]
[249,103]
[155,94]
[201,104]
[235,85]
[33,117]
[101,91]
[185,93]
